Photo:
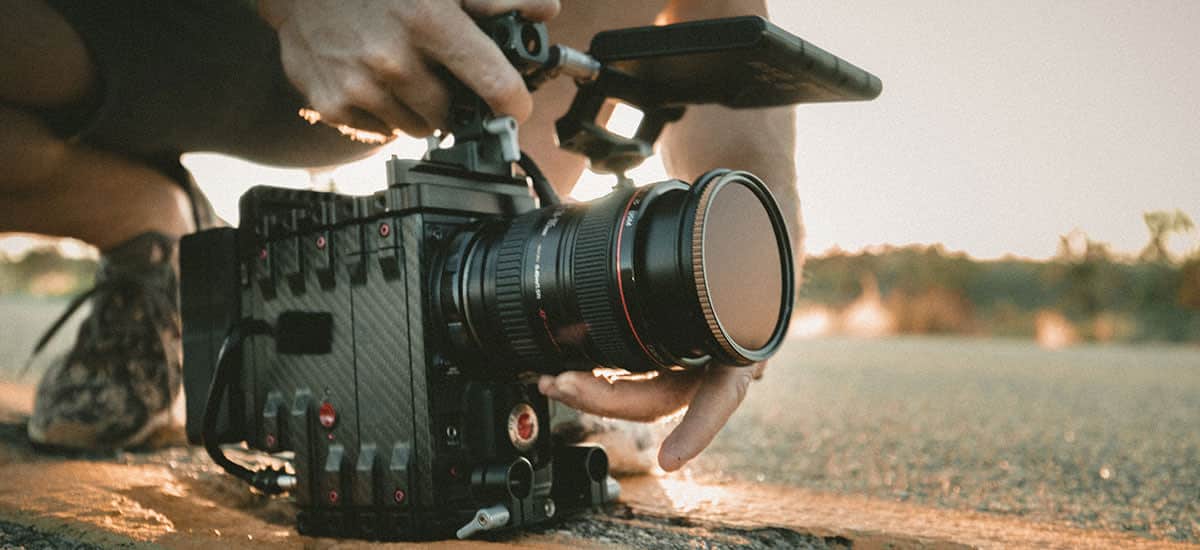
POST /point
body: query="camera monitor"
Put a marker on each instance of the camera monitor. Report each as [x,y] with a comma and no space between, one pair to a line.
[738,62]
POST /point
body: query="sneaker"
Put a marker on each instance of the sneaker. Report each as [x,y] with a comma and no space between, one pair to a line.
[114,389]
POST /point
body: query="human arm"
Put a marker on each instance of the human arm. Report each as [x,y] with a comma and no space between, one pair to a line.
[373,64]
[761,141]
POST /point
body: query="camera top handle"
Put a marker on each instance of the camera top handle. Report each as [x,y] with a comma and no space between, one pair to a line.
[486,144]
[739,62]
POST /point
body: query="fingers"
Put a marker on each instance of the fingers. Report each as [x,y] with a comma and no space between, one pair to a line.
[759,370]
[459,45]
[377,59]
[536,10]
[641,400]
[422,92]
[720,392]
[371,97]
[352,118]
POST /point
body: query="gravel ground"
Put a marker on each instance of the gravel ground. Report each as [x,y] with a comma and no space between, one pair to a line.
[623,527]
[28,538]
[1097,436]
[1105,437]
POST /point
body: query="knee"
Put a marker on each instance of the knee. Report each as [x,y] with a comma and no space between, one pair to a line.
[63,72]
[30,155]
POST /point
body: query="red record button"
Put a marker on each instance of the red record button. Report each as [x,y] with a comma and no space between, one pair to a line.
[522,426]
[525,426]
[327,415]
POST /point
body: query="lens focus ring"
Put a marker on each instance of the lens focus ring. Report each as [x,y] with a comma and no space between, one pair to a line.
[510,261]
[594,274]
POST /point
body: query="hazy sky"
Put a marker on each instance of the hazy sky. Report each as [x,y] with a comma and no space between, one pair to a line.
[1002,125]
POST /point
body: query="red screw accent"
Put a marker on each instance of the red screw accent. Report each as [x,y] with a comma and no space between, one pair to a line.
[398,496]
[327,415]
[329,436]
[333,497]
[270,440]
[454,471]
[321,242]
[262,254]
[385,230]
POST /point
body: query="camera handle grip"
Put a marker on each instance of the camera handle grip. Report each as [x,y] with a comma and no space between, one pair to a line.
[606,151]
[484,143]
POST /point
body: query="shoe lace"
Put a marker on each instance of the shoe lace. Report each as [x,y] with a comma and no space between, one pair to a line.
[152,281]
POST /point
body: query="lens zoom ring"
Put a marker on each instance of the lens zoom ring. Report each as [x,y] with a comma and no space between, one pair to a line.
[593,271]
[510,260]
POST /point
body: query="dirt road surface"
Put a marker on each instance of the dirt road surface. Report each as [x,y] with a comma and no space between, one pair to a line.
[176,498]
[908,443]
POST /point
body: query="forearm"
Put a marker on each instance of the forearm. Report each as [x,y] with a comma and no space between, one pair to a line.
[760,141]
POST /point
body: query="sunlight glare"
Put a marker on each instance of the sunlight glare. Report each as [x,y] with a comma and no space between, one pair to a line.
[689,496]
[811,322]
[625,120]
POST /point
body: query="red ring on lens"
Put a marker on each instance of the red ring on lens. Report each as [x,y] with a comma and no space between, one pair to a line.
[653,357]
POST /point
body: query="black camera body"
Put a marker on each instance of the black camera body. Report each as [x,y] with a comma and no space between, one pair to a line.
[384,346]
[389,438]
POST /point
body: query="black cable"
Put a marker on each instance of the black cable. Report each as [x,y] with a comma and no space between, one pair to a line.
[265,480]
[541,185]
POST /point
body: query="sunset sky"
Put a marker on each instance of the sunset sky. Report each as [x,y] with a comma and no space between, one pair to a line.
[1002,125]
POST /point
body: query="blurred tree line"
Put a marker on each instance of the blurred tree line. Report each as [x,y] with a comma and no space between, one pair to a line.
[1151,297]
[44,272]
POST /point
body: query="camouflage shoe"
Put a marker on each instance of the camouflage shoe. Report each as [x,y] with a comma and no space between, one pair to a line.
[116,386]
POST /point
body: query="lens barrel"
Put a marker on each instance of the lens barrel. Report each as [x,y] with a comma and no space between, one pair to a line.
[665,276]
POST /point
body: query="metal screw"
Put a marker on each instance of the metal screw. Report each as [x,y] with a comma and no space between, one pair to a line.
[549,508]
[451,432]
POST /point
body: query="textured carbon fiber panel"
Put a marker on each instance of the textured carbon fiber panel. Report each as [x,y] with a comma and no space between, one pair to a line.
[382,347]
[330,377]
[414,266]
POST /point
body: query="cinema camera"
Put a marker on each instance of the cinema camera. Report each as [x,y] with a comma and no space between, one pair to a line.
[381,346]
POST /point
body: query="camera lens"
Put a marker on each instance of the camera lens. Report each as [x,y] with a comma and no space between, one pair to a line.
[666,276]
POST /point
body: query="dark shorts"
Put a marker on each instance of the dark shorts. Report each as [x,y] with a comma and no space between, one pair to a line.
[179,76]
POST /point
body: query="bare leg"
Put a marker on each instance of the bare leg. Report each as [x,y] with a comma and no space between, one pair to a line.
[56,188]
[115,386]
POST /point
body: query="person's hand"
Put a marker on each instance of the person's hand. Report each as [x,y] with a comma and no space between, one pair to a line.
[710,395]
[371,64]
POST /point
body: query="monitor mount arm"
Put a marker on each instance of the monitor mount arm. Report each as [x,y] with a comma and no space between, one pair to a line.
[488,144]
